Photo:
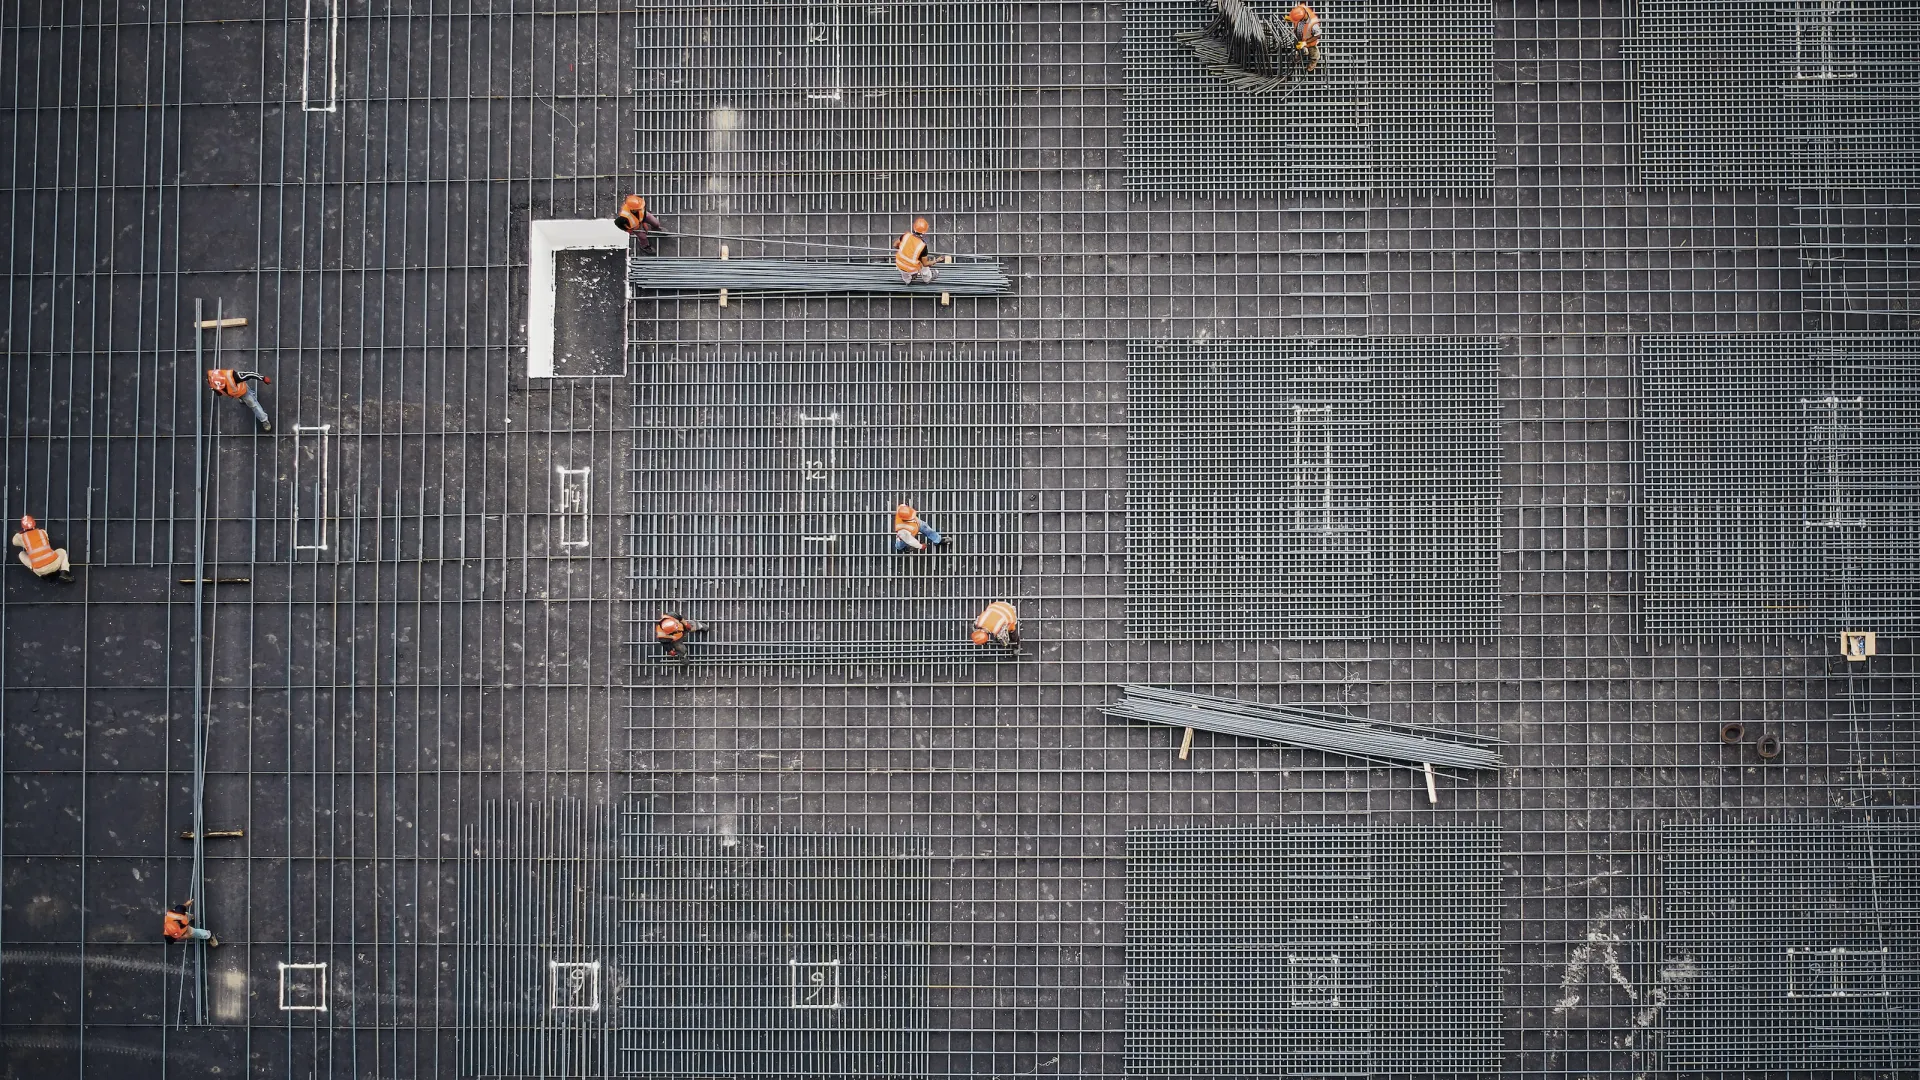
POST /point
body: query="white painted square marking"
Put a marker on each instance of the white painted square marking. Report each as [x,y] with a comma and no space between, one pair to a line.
[303,988]
[573,987]
[312,486]
[572,508]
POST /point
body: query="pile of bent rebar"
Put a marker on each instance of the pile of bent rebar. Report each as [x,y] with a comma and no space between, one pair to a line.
[979,277]
[1309,729]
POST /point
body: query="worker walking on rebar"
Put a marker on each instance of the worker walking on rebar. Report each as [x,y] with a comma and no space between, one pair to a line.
[671,632]
[178,925]
[913,258]
[912,534]
[38,553]
[239,384]
[997,623]
[1306,34]
[635,219]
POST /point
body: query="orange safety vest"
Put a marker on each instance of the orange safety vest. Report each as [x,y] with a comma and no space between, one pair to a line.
[907,251]
[176,925]
[1306,23]
[226,382]
[669,629]
[997,619]
[909,524]
[633,212]
[40,553]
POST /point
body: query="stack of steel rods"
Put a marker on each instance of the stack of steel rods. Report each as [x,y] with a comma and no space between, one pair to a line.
[975,278]
[1306,728]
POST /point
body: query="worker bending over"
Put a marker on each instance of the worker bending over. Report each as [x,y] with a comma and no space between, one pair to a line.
[913,258]
[671,631]
[240,384]
[38,553]
[912,534]
[178,926]
[635,218]
[997,623]
[1306,33]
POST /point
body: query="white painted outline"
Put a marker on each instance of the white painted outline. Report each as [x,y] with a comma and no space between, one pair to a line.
[322,485]
[580,481]
[333,43]
[826,32]
[545,239]
[285,1005]
[1324,970]
[1837,975]
[828,978]
[1304,474]
[589,971]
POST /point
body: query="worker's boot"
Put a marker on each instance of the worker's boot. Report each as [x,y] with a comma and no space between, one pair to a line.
[213,943]
[66,575]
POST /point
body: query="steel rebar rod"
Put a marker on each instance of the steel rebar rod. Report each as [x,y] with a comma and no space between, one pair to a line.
[1299,728]
[969,278]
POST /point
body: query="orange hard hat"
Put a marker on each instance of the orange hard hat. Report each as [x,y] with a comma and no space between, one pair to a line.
[669,623]
[27,522]
[921,225]
[903,510]
[633,202]
[980,637]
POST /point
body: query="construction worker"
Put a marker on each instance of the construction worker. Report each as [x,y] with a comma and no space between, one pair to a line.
[240,384]
[1306,34]
[38,553]
[178,926]
[635,218]
[913,258]
[912,534]
[672,630]
[997,623]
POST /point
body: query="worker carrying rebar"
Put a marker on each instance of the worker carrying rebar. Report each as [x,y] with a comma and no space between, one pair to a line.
[239,384]
[38,553]
[997,623]
[671,634]
[913,258]
[635,219]
[1306,34]
[178,925]
[912,534]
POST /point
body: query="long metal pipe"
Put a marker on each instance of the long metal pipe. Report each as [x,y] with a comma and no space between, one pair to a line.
[972,278]
[1280,724]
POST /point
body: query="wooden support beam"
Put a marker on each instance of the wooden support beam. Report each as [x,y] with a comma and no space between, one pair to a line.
[220,324]
[1186,744]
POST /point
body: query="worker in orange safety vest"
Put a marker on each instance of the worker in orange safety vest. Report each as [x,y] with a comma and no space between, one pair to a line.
[178,925]
[239,384]
[635,218]
[912,534]
[997,623]
[38,553]
[913,258]
[671,631]
[1306,33]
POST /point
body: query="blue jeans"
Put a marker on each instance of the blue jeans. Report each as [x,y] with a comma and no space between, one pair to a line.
[928,535]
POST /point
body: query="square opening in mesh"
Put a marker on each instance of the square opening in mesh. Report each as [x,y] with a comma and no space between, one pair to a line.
[303,987]
[814,984]
[1313,982]
[1837,972]
[573,987]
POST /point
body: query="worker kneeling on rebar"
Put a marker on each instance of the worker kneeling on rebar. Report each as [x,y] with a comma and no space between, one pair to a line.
[997,624]
[912,534]
[913,258]
[670,633]
[1306,34]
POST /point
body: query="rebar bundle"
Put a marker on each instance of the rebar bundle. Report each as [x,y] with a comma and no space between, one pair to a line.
[982,277]
[1308,729]
[1250,53]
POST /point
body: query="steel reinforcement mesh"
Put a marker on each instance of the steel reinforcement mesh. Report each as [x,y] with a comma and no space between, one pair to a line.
[1300,488]
[357,180]
[764,485]
[1313,952]
[1780,473]
[772,956]
[1403,99]
[1790,946]
[1814,95]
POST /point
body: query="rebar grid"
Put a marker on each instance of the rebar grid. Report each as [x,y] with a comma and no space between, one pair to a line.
[1300,488]
[1335,951]
[1403,99]
[1817,95]
[1790,946]
[1779,474]
[375,705]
